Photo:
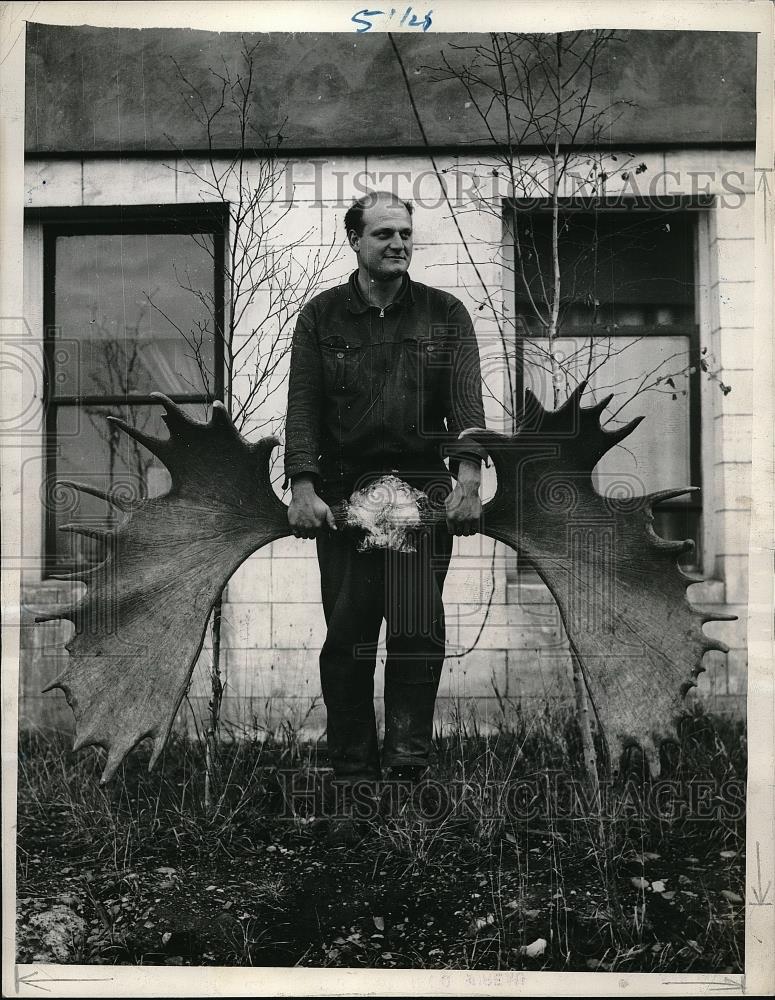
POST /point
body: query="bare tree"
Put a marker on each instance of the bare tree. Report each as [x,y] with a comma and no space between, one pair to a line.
[269,270]
[536,98]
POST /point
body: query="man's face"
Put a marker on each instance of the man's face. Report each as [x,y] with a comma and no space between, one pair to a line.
[385,247]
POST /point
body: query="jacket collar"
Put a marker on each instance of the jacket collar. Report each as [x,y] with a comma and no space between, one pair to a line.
[356,303]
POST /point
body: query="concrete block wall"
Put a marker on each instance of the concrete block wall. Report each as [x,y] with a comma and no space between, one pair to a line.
[273,622]
[732,328]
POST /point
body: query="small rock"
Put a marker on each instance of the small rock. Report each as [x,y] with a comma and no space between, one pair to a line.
[534,950]
[57,932]
[733,897]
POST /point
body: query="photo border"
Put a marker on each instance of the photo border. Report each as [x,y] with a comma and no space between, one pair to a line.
[448,15]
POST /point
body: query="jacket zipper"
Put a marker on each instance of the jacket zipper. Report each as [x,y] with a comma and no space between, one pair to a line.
[384,376]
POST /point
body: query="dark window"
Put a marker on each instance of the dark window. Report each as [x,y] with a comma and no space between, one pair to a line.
[627,323]
[131,307]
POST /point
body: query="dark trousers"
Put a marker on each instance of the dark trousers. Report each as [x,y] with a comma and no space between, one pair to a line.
[359,590]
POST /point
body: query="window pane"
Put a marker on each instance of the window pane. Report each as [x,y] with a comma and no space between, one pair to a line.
[134,314]
[93,452]
[637,266]
[656,455]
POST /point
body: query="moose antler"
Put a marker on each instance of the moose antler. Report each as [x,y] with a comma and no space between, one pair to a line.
[618,587]
[141,624]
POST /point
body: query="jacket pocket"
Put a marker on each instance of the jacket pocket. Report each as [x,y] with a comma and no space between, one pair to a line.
[422,363]
[342,365]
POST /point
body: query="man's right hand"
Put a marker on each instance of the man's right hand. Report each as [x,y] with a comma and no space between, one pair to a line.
[307,513]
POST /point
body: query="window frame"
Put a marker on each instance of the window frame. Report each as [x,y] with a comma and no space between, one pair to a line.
[622,204]
[134,220]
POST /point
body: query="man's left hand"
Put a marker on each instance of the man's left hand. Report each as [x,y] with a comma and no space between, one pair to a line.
[464,506]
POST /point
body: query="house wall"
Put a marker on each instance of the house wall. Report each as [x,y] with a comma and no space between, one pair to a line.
[116,90]
[273,625]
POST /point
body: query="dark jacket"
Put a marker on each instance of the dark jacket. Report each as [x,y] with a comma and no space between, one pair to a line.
[377,390]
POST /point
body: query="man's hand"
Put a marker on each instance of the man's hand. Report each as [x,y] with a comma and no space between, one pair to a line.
[308,514]
[464,506]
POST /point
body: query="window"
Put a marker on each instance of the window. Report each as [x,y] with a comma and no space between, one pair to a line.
[131,306]
[627,323]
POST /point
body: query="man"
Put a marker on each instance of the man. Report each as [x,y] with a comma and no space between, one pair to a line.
[384,375]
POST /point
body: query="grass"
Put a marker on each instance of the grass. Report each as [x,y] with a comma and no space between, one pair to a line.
[496,864]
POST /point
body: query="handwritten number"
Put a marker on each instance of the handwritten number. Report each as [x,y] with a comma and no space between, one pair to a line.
[414,23]
[360,18]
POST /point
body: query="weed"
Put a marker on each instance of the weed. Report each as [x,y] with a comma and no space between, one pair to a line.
[500,861]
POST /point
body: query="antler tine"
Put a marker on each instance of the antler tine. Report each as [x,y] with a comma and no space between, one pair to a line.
[597,408]
[58,682]
[117,751]
[100,534]
[660,495]
[574,399]
[121,505]
[84,739]
[620,433]
[157,446]
[267,444]
[174,416]
[78,575]
[159,743]
[716,616]
[713,644]
[262,449]
[67,613]
[678,546]
[532,408]
[220,417]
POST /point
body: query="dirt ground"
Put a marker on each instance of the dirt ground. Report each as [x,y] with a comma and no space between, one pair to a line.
[293,902]
[119,877]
